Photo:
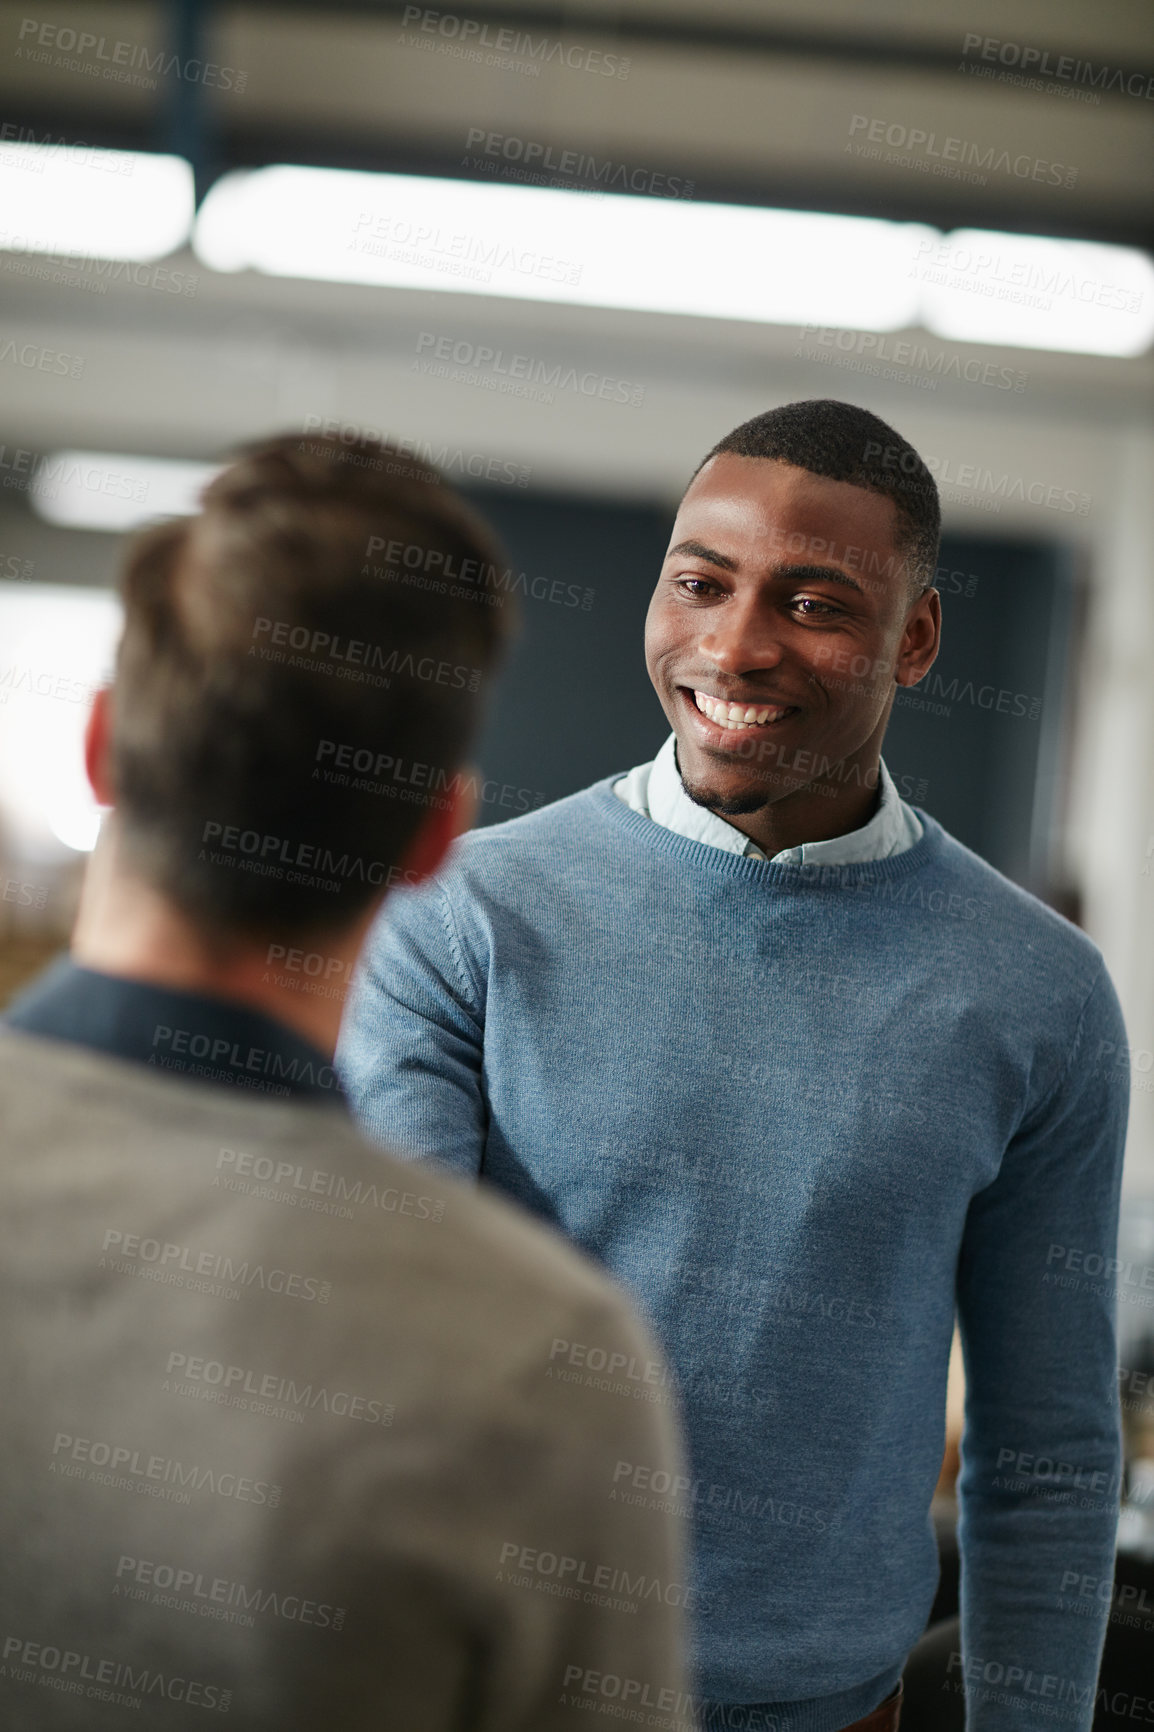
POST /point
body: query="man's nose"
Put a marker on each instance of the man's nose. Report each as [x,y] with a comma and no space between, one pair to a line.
[738,638]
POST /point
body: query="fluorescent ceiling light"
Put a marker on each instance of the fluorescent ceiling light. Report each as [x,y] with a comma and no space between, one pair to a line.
[103,204]
[57,644]
[544,244]
[672,256]
[105,490]
[1036,293]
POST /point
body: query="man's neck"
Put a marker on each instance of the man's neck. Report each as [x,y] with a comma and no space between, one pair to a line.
[127,928]
[807,815]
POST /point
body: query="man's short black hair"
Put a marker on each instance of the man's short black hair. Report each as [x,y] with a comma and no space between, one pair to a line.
[842,442]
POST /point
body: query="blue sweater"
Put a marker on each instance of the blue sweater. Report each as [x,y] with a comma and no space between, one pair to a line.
[801,1112]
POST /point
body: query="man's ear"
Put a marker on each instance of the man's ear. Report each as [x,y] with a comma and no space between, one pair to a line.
[98,747]
[440,830]
[921,639]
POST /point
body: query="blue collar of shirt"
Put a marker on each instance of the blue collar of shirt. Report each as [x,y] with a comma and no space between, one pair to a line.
[184,1034]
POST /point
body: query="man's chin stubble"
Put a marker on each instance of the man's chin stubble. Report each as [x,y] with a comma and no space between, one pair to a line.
[736,806]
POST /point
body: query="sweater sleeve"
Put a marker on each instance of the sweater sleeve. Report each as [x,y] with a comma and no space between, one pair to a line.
[412,1036]
[1041,1451]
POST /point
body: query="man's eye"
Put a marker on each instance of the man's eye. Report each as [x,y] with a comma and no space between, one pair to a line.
[694,586]
[815,609]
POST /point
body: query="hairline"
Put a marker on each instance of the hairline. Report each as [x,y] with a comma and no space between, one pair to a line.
[911,528]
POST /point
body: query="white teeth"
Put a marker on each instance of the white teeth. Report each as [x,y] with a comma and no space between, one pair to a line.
[737,715]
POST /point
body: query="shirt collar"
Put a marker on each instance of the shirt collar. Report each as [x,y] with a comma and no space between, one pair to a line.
[183,1034]
[893,827]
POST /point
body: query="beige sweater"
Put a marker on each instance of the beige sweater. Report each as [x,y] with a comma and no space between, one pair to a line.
[298,1433]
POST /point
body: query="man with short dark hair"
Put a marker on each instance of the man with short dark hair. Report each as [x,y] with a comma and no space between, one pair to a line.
[810,1077]
[288,1430]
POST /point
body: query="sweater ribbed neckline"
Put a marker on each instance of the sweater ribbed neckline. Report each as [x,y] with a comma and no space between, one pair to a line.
[812,875]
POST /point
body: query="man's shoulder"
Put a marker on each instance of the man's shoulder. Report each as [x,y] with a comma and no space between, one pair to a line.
[295,1186]
[1001,912]
[61,1084]
[250,1313]
[578,816]
[558,850]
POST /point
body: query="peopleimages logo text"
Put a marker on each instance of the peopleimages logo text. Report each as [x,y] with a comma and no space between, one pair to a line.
[463,361]
[586,170]
[313,855]
[121,58]
[105,1678]
[471,34]
[1039,62]
[235,1381]
[472,255]
[132,1248]
[134,1464]
[973,478]
[1022,281]
[939,153]
[148,1579]
[321,647]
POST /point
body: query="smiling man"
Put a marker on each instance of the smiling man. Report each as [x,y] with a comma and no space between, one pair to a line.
[811,1078]
[777,637]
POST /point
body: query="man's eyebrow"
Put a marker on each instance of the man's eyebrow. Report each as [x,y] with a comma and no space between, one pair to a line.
[698,550]
[792,573]
[824,573]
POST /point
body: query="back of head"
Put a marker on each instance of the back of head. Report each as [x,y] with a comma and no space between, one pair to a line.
[842,442]
[299,623]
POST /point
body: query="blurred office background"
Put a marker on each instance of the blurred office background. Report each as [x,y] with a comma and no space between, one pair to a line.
[1001,316]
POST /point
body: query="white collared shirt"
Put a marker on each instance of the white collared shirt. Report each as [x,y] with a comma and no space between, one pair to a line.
[656,789]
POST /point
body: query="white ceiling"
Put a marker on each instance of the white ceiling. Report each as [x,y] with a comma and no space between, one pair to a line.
[187,375]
